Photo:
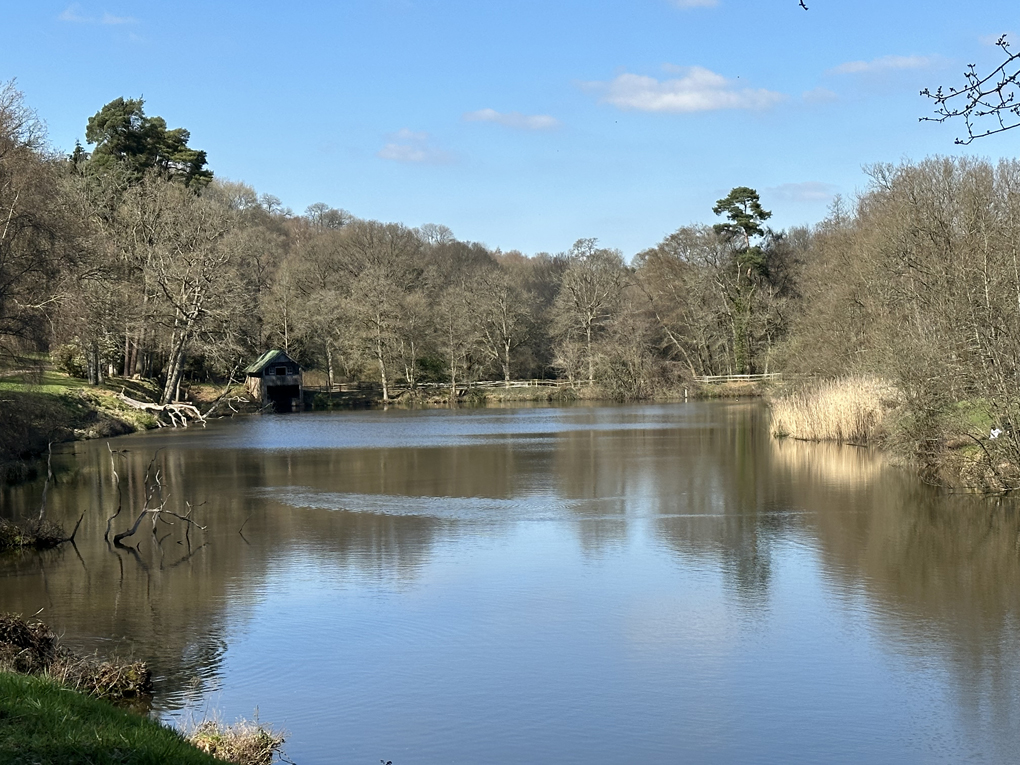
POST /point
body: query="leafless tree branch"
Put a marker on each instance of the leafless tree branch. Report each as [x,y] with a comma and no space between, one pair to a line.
[987,104]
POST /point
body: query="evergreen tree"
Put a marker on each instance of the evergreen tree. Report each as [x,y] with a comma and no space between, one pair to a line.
[125,137]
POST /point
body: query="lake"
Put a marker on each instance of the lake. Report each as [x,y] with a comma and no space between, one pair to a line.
[591,584]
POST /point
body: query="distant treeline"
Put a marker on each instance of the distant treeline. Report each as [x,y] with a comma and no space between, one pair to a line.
[132,259]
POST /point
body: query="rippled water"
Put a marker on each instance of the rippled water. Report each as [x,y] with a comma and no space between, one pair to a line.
[619,584]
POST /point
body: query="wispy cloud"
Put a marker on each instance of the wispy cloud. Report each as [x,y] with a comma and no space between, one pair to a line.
[413,147]
[109,18]
[819,96]
[807,191]
[514,120]
[694,3]
[74,14]
[697,90]
[884,64]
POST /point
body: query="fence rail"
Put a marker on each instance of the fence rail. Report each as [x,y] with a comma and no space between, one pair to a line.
[368,387]
[738,378]
[395,390]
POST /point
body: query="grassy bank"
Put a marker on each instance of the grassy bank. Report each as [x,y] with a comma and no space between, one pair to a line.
[55,708]
[43,722]
[40,407]
[956,443]
[499,396]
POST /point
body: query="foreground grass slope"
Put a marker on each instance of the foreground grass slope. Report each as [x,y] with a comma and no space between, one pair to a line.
[44,723]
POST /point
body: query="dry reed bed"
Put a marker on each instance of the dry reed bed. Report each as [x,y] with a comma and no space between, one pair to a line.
[848,410]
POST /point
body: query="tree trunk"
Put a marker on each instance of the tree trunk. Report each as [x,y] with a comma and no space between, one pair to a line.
[591,361]
[382,363]
[506,364]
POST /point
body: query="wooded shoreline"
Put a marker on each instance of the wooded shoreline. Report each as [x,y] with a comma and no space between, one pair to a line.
[132,262]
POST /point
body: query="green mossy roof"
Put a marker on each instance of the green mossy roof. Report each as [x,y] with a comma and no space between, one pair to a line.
[266,359]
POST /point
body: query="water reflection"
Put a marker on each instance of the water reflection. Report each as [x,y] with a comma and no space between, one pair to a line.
[683,533]
[942,572]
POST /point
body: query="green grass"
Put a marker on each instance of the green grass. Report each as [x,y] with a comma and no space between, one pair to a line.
[42,723]
[37,407]
[50,381]
[47,381]
[974,415]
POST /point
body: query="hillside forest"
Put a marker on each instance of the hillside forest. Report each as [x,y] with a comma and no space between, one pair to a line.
[130,258]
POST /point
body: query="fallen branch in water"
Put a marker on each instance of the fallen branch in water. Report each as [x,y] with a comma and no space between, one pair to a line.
[153,490]
[224,396]
[120,496]
[49,477]
[178,413]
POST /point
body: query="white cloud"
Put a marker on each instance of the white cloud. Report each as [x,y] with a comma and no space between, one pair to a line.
[695,3]
[807,191]
[514,120]
[698,90]
[109,18]
[413,147]
[819,96]
[884,64]
[73,13]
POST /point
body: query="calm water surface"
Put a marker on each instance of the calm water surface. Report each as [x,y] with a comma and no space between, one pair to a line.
[632,584]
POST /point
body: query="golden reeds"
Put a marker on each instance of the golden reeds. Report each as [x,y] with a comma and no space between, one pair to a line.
[849,410]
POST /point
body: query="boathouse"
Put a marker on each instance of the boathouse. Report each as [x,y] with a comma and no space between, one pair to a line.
[275,380]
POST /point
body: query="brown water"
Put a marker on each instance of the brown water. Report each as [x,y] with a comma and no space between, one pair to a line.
[632,584]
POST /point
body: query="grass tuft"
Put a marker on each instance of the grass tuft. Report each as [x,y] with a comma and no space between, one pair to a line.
[245,742]
[37,535]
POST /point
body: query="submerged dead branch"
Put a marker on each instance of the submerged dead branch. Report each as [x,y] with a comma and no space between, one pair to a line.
[157,512]
[37,534]
[120,494]
[49,477]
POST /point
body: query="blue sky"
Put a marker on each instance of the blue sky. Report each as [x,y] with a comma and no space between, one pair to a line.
[522,125]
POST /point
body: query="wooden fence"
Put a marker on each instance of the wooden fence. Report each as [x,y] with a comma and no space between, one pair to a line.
[396,390]
[739,378]
[368,387]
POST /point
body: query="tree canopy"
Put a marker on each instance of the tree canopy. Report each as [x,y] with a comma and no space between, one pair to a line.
[125,137]
[742,207]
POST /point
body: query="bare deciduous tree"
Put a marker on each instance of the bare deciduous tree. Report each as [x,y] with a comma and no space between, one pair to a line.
[986,103]
[589,293]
